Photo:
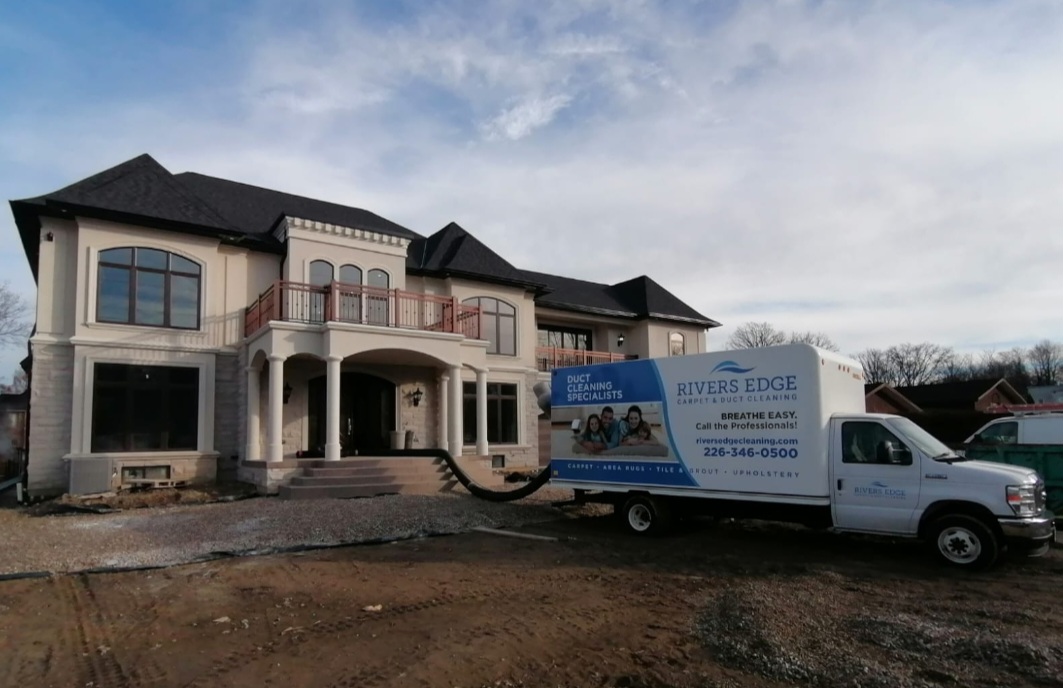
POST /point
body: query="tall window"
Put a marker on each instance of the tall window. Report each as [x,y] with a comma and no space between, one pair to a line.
[350,305]
[144,408]
[677,345]
[565,338]
[146,286]
[501,413]
[320,272]
[376,302]
[498,324]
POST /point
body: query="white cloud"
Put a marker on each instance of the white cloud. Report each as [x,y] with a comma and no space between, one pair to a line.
[516,122]
[880,172]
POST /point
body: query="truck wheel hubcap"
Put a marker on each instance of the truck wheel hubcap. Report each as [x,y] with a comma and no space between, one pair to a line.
[639,517]
[959,545]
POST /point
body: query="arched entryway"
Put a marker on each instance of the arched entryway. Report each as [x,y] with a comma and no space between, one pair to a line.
[367,413]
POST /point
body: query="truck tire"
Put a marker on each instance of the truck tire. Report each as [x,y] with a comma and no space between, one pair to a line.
[645,515]
[964,541]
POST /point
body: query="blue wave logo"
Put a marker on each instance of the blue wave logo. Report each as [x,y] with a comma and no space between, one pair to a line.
[879,483]
[730,367]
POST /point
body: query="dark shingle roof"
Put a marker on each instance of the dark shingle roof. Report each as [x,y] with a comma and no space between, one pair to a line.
[951,395]
[255,210]
[640,297]
[453,251]
[138,187]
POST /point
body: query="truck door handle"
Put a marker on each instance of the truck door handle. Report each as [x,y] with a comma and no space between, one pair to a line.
[839,484]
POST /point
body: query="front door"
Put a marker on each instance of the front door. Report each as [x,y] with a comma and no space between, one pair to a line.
[367,413]
[875,478]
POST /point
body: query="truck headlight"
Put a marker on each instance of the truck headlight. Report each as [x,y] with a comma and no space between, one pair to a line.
[1023,499]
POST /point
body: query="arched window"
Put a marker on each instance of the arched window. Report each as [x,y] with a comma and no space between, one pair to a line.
[498,324]
[350,274]
[350,297]
[377,297]
[146,286]
[320,273]
[677,345]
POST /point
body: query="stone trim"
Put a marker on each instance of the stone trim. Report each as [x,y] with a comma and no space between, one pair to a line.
[291,223]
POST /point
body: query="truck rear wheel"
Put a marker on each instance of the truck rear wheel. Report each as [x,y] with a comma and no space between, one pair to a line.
[645,515]
[964,541]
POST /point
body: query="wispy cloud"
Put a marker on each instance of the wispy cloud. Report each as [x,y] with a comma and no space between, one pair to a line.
[525,117]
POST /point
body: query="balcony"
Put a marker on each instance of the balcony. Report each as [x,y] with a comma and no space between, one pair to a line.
[362,305]
[547,357]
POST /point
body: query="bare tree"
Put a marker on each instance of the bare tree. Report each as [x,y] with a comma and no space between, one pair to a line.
[954,367]
[19,383]
[752,335]
[877,368]
[815,339]
[915,364]
[14,317]
[1046,362]
[1010,365]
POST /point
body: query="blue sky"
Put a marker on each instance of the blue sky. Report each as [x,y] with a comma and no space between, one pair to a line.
[879,171]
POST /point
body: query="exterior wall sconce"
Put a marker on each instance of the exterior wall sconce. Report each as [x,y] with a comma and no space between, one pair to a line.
[415,396]
[620,339]
[287,392]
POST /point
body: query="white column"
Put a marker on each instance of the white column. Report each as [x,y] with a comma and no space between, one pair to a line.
[456,439]
[252,450]
[481,412]
[444,401]
[276,408]
[332,411]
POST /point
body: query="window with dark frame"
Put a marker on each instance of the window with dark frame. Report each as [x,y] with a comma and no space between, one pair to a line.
[498,321]
[146,286]
[144,408]
[502,419]
[557,337]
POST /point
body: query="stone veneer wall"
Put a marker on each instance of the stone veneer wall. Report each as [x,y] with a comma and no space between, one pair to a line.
[230,384]
[51,409]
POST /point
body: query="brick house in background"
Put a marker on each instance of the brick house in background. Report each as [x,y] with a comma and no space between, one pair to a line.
[882,398]
[185,321]
[986,396]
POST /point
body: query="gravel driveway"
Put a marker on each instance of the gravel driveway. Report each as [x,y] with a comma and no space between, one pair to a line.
[181,534]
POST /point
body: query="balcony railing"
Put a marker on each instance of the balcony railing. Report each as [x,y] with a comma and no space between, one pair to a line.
[355,303]
[548,357]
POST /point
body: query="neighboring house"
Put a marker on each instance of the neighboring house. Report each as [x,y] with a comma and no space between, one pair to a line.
[13,408]
[987,396]
[1046,394]
[882,398]
[185,318]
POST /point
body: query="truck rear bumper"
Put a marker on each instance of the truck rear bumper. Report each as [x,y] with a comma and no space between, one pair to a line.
[1029,533]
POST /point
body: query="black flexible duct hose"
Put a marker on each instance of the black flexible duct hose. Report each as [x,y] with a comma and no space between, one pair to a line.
[468,483]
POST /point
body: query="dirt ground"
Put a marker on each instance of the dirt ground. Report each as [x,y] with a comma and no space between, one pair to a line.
[714,605]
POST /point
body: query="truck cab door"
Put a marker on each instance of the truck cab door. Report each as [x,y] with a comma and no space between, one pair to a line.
[875,478]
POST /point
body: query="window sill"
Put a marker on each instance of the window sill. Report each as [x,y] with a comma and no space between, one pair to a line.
[498,447]
[121,327]
[147,455]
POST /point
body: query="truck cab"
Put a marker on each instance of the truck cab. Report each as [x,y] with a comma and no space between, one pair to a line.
[890,476]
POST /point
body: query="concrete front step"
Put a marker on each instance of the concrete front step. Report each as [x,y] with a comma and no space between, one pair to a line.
[364,490]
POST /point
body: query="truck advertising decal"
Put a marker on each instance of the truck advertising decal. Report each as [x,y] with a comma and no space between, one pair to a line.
[696,421]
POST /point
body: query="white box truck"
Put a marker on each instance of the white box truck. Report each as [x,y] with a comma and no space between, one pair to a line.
[780,433]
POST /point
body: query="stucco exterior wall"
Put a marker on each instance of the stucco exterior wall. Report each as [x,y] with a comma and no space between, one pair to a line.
[382,253]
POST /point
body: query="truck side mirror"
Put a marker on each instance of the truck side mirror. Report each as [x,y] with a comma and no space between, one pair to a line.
[576,424]
[885,452]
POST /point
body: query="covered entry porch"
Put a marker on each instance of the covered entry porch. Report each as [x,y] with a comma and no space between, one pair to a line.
[333,391]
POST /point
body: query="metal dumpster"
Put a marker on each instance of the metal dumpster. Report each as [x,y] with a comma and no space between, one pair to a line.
[1046,459]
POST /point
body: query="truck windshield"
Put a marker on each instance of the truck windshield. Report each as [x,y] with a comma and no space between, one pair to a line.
[923,440]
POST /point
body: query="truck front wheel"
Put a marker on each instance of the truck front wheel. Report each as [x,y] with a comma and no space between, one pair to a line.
[645,515]
[964,541]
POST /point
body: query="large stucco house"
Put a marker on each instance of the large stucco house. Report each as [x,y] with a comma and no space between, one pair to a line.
[185,322]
